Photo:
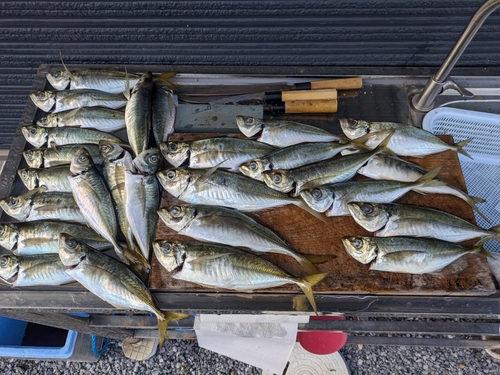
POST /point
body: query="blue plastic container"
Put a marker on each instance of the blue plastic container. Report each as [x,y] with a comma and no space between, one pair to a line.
[12,332]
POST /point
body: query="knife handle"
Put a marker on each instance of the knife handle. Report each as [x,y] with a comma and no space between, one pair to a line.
[307,106]
[285,96]
[351,83]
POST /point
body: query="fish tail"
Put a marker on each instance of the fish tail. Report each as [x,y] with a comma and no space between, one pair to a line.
[496,229]
[163,78]
[165,317]
[460,147]
[305,207]
[306,285]
[428,178]
[472,202]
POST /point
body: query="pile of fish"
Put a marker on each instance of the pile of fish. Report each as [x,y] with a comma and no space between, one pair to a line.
[92,189]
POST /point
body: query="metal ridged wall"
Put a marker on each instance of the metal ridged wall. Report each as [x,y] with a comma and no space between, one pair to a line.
[239,33]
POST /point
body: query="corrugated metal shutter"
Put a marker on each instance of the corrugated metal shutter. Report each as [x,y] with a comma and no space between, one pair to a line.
[249,33]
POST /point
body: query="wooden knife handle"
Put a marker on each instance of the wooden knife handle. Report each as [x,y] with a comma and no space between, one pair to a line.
[323,94]
[351,83]
[311,106]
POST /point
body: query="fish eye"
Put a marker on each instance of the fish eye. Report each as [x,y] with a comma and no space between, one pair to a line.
[3,261]
[170,175]
[173,146]
[41,95]
[57,74]
[167,248]
[33,131]
[29,154]
[253,166]
[357,243]
[83,157]
[2,230]
[153,159]
[248,120]
[316,193]
[277,178]
[105,148]
[175,211]
[71,243]
[44,121]
[24,174]
[14,201]
[367,208]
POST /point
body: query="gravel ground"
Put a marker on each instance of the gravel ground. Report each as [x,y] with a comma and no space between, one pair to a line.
[183,357]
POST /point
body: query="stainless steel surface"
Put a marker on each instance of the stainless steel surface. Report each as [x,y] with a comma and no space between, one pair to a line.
[424,100]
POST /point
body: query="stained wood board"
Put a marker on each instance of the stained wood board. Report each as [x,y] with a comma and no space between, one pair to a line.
[470,275]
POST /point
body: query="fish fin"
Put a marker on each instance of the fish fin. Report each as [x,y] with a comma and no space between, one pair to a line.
[206,258]
[165,317]
[126,93]
[207,174]
[305,207]
[472,202]
[308,260]
[163,79]
[429,176]
[73,78]
[306,285]
[460,147]
[382,147]
[496,229]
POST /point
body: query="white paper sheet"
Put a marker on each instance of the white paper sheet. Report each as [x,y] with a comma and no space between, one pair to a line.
[264,341]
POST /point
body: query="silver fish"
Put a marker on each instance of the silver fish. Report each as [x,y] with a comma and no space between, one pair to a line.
[138,113]
[111,281]
[52,179]
[295,156]
[224,152]
[148,161]
[407,254]
[102,119]
[220,188]
[38,136]
[58,101]
[283,133]
[163,112]
[318,174]
[94,199]
[228,227]
[42,237]
[333,199]
[220,266]
[407,140]
[142,200]
[107,80]
[408,220]
[390,167]
[115,162]
[33,270]
[60,155]
[43,206]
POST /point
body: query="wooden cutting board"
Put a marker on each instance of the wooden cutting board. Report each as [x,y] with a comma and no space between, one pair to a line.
[470,275]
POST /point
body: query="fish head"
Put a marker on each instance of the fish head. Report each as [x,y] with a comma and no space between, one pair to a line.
[9,266]
[254,168]
[8,235]
[29,177]
[169,254]
[81,162]
[148,161]
[35,135]
[58,80]
[319,199]
[177,217]
[363,249]
[175,181]
[16,207]
[71,251]
[34,158]
[49,121]
[176,153]
[109,150]
[370,216]
[249,125]
[279,179]
[353,128]
[44,100]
